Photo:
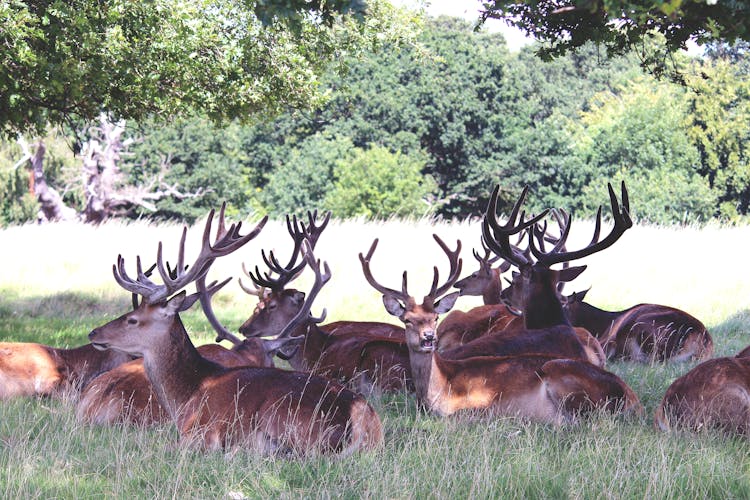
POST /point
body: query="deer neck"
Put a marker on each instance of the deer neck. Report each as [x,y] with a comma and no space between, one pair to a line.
[595,320]
[541,306]
[431,381]
[175,368]
[491,295]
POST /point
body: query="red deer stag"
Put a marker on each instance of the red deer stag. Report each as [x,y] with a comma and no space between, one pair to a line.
[713,395]
[261,408]
[370,354]
[532,386]
[645,332]
[545,328]
[125,395]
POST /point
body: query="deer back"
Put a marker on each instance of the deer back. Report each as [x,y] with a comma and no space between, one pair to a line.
[713,395]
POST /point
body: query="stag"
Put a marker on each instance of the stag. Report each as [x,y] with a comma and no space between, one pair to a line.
[370,355]
[534,386]
[125,395]
[713,395]
[213,406]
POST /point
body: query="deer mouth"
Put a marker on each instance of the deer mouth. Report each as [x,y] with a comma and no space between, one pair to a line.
[427,344]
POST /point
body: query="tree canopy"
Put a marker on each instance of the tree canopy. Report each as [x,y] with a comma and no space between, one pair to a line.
[61,61]
[623,25]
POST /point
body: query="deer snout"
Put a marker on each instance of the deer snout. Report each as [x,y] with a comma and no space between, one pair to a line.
[428,340]
[96,342]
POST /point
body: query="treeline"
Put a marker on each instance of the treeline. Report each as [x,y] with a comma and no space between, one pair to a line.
[431,130]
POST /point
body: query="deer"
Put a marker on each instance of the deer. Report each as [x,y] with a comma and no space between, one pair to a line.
[125,395]
[644,332]
[715,394]
[538,387]
[268,410]
[459,328]
[31,369]
[369,355]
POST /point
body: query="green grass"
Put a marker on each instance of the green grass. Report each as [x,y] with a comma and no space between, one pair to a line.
[57,293]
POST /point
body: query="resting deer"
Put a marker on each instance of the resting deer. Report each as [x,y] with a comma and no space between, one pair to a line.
[538,387]
[262,408]
[713,395]
[125,395]
[30,369]
[369,353]
[645,332]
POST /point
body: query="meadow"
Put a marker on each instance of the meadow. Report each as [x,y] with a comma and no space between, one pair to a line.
[56,285]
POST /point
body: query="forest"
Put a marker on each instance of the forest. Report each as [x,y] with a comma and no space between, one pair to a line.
[427,129]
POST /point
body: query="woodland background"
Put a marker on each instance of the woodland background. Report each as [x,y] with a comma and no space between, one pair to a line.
[428,129]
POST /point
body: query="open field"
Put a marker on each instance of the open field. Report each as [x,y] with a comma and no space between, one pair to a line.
[56,285]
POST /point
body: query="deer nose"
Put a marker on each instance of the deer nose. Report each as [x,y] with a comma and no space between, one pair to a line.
[429,335]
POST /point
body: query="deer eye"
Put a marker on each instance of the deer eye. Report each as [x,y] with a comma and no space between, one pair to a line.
[132,321]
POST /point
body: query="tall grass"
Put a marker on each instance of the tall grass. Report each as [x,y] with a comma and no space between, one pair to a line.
[57,284]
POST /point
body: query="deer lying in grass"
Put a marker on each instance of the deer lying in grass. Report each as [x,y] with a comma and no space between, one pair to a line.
[538,387]
[30,369]
[713,395]
[125,395]
[645,332]
[366,353]
[261,408]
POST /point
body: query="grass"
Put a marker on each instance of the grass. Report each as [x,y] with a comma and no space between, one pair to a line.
[57,284]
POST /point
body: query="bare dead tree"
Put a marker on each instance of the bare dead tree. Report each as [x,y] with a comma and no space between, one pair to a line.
[106,189]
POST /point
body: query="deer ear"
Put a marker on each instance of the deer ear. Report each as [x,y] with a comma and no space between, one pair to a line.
[177,303]
[446,303]
[570,273]
[393,306]
[299,298]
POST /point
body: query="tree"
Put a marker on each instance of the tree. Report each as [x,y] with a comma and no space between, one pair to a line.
[719,125]
[72,60]
[623,26]
[378,184]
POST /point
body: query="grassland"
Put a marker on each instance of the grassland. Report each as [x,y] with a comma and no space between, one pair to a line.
[56,285]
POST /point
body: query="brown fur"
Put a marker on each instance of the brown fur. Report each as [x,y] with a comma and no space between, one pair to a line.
[29,369]
[124,394]
[713,395]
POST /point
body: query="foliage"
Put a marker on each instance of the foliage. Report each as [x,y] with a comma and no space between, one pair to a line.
[719,125]
[376,183]
[639,134]
[61,60]
[301,182]
[622,26]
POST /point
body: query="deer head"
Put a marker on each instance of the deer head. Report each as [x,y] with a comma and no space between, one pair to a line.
[420,320]
[157,314]
[535,286]
[278,305]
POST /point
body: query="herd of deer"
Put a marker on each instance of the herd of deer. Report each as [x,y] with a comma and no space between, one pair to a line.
[529,351]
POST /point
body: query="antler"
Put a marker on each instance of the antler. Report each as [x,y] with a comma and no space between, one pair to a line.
[303,315]
[496,236]
[287,273]
[206,293]
[226,242]
[557,254]
[455,266]
[403,295]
